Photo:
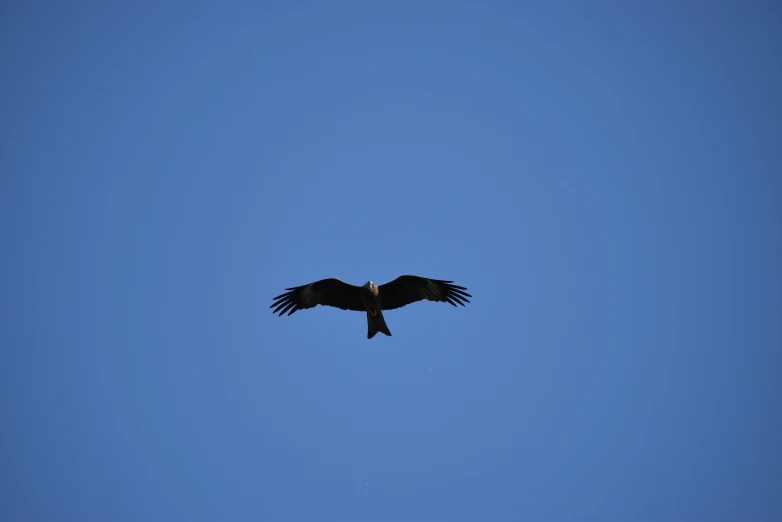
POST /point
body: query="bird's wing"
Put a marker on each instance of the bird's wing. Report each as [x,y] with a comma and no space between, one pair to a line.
[408,289]
[327,292]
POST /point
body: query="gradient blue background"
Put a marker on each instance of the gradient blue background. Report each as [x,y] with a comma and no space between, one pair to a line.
[604,177]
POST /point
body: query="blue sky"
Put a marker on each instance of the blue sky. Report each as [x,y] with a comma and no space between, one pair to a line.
[603,177]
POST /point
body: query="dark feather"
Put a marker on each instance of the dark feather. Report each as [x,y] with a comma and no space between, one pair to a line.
[408,289]
[327,292]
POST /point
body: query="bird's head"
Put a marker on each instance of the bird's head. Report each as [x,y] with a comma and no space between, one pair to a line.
[369,285]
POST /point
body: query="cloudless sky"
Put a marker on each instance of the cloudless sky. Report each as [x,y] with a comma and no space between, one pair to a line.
[604,177]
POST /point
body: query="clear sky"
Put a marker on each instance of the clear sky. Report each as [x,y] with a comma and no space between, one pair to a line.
[604,177]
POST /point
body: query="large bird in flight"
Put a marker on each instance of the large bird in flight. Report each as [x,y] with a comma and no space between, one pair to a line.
[369,298]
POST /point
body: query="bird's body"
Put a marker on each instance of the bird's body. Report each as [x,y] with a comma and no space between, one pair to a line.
[369,298]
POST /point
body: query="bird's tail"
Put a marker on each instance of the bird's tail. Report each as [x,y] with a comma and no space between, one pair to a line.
[376,323]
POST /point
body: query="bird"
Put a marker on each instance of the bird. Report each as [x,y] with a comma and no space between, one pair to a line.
[370,298]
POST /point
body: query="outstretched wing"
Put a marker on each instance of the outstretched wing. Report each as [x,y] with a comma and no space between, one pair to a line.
[327,292]
[409,289]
